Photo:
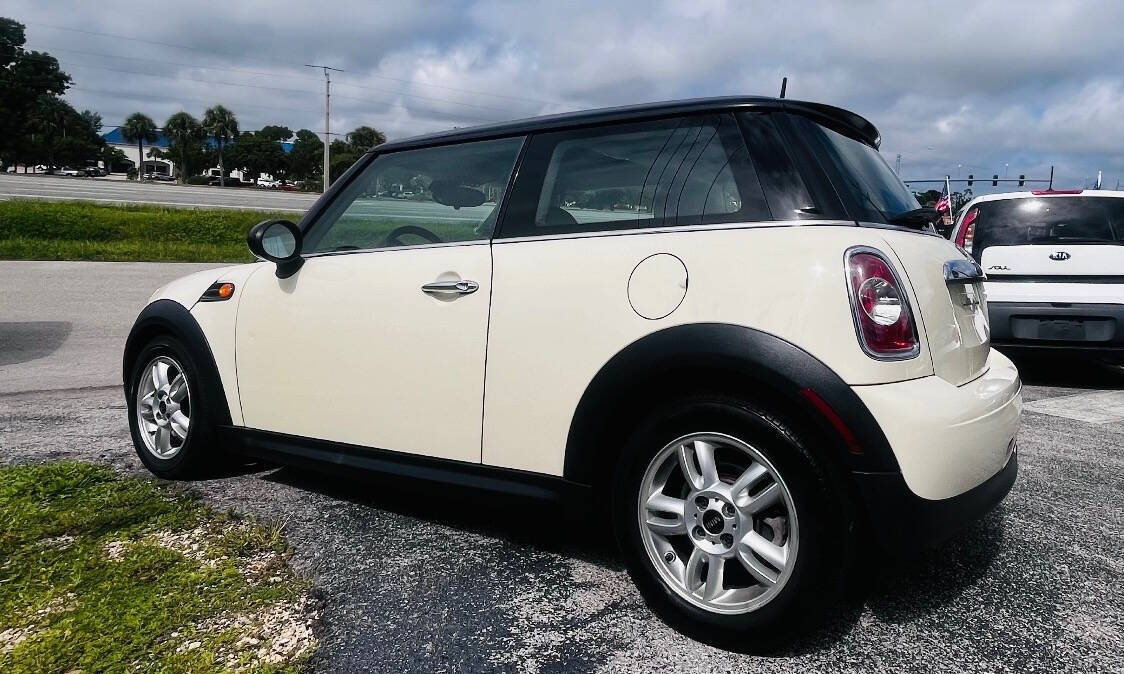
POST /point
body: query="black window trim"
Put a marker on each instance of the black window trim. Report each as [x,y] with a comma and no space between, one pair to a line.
[505,232]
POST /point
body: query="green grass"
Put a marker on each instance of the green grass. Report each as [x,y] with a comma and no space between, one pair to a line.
[75,230]
[97,574]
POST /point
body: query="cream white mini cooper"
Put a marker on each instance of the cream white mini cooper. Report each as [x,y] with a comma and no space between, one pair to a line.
[726,320]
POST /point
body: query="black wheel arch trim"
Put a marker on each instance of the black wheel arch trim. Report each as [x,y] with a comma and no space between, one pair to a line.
[746,354]
[168,317]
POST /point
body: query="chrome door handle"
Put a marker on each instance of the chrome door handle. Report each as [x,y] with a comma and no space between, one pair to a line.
[451,287]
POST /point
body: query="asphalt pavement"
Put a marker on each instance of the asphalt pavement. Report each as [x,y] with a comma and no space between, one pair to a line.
[63,324]
[112,191]
[421,579]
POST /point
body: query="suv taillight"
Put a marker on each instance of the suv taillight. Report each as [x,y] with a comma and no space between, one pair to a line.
[967,231]
[883,318]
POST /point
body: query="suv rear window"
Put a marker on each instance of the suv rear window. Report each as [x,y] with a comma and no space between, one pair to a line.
[870,188]
[1047,220]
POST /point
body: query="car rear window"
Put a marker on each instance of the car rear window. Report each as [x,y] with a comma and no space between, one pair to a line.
[870,188]
[1048,221]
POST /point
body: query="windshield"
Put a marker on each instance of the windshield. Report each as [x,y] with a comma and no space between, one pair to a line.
[875,192]
[1048,220]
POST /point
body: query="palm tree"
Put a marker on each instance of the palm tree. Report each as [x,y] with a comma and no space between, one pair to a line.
[184,130]
[139,128]
[220,124]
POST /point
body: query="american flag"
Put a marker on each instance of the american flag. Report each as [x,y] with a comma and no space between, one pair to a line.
[943,204]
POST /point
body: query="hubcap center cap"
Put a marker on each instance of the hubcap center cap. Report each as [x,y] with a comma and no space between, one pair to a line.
[713,522]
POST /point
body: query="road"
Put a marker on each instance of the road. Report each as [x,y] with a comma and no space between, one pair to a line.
[104,190]
[63,324]
[422,579]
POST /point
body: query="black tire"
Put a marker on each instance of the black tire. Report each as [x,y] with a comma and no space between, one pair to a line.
[194,456]
[825,548]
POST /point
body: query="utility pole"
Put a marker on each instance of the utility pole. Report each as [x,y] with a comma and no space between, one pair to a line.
[898,164]
[327,114]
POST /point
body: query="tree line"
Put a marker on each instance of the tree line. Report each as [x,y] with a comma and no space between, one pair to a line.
[195,145]
[38,127]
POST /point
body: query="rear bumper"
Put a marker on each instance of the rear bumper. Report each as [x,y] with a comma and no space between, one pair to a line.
[1057,325]
[948,439]
[899,518]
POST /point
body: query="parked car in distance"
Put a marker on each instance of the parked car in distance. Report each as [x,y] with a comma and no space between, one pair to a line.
[719,326]
[67,171]
[94,172]
[1054,260]
[265,182]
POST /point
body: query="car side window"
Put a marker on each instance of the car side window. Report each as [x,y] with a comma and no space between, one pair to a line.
[650,174]
[430,195]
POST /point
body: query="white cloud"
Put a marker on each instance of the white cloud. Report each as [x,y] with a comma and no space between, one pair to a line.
[977,84]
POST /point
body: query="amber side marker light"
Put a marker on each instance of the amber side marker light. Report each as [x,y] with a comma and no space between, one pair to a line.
[218,292]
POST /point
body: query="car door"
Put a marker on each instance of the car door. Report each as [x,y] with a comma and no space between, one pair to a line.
[379,339]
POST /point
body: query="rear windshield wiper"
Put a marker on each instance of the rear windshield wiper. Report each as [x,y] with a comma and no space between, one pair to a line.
[918,217]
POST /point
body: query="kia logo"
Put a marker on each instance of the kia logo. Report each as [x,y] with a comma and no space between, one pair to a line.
[1060,256]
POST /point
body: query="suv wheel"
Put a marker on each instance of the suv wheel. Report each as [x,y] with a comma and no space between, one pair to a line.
[168,417]
[725,525]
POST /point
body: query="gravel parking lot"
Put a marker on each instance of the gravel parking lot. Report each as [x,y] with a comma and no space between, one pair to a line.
[422,579]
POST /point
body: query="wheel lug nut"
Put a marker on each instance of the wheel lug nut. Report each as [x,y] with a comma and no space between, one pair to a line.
[669,557]
[727,540]
[702,502]
[728,510]
[699,533]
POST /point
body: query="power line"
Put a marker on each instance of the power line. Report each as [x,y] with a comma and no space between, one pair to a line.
[133,94]
[266,88]
[181,64]
[211,51]
[260,73]
[159,44]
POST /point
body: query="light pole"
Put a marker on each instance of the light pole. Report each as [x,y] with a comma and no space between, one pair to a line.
[327,115]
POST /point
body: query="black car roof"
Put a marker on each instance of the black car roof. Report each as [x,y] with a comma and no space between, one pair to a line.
[838,118]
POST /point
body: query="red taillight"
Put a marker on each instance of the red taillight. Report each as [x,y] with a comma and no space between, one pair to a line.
[882,314]
[1039,193]
[967,230]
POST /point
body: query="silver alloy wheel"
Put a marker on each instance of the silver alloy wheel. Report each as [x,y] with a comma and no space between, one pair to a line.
[163,407]
[718,523]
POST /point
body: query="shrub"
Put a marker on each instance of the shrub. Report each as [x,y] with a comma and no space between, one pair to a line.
[197,180]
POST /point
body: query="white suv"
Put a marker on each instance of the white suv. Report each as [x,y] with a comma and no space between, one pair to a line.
[723,324]
[1055,266]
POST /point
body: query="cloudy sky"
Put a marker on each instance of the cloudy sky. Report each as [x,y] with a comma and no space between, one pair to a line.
[955,87]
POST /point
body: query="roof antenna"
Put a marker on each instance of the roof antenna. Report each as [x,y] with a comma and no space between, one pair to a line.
[784,85]
[1051,178]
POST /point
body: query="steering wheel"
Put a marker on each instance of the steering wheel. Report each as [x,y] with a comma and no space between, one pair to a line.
[392,237]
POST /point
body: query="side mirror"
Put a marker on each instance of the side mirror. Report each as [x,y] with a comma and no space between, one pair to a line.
[278,241]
